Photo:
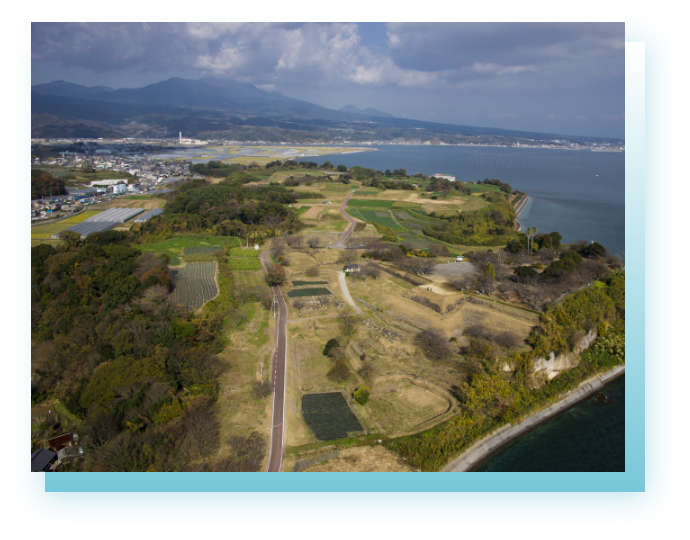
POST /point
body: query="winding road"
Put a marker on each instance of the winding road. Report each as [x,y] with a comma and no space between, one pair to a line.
[275,456]
[348,232]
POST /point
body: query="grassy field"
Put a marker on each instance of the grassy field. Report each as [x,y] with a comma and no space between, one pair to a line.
[244,264]
[242,253]
[369,203]
[173,246]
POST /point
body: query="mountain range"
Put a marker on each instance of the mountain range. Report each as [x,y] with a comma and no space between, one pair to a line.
[224,108]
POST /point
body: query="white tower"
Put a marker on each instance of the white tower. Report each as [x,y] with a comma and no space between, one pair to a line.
[180,137]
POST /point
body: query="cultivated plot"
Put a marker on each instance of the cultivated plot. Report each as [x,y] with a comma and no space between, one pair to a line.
[329,416]
[194,284]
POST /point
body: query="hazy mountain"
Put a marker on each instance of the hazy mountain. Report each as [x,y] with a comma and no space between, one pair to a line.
[369,111]
[216,106]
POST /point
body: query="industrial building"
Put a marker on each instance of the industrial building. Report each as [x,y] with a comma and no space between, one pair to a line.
[450,177]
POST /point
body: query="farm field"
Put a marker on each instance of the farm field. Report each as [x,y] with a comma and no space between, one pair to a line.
[200,250]
[329,416]
[194,284]
[46,231]
[316,291]
[369,203]
[174,246]
[298,283]
[244,264]
[238,252]
[382,218]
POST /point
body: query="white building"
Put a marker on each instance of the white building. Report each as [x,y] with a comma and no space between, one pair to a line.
[450,177]
[120,188]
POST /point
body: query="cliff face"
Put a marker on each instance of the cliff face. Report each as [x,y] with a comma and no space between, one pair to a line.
[552,365]
[547,368]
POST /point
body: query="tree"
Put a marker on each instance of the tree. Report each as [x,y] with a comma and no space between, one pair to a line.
[348,322]
[330,344]
[272,221]
[433,344]
[489,273]
[298,305]
[340,372]
[314,242]
[236,316]
[71,238]
[342,168]
[312,271]
[361,394]
[276,275]
[262,389]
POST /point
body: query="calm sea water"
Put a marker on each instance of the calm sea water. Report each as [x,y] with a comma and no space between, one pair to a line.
[589,437]
[580,194]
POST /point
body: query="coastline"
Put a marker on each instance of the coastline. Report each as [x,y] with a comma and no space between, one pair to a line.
[518,208]
[493,442]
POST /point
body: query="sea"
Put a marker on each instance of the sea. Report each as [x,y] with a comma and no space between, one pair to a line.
[589,437]
[579,193]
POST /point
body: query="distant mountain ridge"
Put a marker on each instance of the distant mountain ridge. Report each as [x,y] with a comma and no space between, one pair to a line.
[369,111]
[217,108]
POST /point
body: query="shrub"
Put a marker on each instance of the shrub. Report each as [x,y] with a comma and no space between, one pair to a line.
[339,372]
[361,394]
[331,344]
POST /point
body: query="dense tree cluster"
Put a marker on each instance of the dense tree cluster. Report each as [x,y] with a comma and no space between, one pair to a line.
[44,185]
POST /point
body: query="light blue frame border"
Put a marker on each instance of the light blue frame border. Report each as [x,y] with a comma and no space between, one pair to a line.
[641,496]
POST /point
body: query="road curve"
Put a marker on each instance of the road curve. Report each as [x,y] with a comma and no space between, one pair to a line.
[348,232]
[275,455]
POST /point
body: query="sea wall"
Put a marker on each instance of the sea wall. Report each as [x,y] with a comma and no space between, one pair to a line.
[492,442]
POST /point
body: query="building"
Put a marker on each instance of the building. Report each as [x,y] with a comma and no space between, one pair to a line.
[120,188]
[351,268]
[450,177]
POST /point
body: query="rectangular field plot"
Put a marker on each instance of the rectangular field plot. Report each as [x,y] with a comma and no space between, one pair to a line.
[302,283]
[201,250]
[194,284]
[368,203]
[173,246]
[329,416]
[243,253]
[244,264]
[417,243]
[314,291]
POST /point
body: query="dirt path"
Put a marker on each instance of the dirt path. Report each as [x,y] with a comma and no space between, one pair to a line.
[346,292]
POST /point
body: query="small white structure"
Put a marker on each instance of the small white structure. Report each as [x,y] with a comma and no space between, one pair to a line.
[459,258]
[256,247]
[450,177]
[120,188]
[351,268]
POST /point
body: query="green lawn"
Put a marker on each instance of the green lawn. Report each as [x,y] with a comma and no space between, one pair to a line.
[368,203]
[173,246]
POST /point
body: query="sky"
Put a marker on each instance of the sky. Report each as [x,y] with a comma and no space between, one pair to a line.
[564,78]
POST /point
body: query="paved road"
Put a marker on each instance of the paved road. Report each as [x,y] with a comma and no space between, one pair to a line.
[348,232]
[275,456]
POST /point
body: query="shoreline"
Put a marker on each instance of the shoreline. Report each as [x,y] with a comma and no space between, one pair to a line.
[485,447]
[518,208]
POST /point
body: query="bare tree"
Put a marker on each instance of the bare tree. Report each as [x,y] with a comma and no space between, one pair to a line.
[262,389]
[299,305]
[347,256]
[314,242]
[348,322]
[313,271]
[236,316]
[202,429]
[278,247]
[433,344]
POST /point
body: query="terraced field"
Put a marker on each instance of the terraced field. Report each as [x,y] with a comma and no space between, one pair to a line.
[201,250]
[384,219]
[194,284]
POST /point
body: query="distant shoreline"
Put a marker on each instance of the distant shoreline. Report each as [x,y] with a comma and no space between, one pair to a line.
[489,445]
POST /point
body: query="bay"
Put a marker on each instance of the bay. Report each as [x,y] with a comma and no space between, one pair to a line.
[580,194]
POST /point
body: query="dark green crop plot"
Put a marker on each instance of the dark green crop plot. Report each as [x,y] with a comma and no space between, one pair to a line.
[329,416]
[194,284]
[314,291]
[372,215]
[302,283]
[369,203]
